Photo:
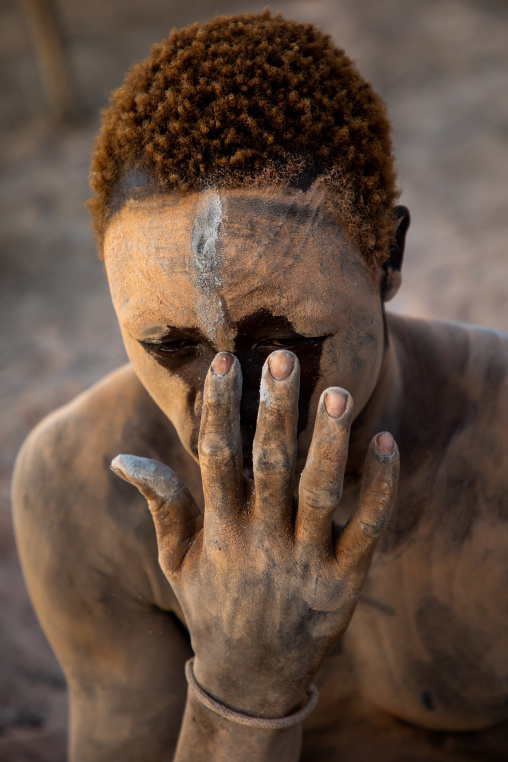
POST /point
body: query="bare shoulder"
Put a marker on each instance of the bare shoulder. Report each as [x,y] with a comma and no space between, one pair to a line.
[115,413]
[463,368]
[67,500]
[114,416]
[460,351]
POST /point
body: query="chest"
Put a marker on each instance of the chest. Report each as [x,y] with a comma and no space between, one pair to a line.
[428,642]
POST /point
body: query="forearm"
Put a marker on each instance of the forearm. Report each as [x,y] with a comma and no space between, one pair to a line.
[205,736]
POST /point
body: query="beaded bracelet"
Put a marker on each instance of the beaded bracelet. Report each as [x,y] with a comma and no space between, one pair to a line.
[279,723]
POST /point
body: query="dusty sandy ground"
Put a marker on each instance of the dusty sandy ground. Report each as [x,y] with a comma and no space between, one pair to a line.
[442,66]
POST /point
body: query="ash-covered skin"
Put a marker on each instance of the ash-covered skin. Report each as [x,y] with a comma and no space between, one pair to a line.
[427,642]
[244,272]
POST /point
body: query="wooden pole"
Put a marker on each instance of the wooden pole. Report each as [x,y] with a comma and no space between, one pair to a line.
[55,71]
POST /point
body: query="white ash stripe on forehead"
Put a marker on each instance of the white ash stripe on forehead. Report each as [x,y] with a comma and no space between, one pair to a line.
[208,260]
[207,257]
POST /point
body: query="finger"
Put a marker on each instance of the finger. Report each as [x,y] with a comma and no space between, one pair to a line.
[321,481]
[356,543]
[173,509]
[274,448]
[220,450]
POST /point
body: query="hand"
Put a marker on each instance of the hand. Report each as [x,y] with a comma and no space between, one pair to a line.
[267,584]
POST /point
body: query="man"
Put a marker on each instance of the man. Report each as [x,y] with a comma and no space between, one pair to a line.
[245,211]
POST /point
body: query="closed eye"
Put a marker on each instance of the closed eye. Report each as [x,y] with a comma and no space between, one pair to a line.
[171,347]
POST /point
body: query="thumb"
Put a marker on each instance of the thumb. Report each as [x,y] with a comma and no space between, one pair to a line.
[173,509]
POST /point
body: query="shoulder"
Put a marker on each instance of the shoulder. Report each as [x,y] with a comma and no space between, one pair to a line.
[460,339]
[453,355]
[82,437]
[116,411]
[75,521]
[61,472]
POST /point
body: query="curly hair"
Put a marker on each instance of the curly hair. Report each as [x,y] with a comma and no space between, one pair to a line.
[248,97]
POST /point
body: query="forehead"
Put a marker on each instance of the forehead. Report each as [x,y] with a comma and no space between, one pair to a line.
[209,259]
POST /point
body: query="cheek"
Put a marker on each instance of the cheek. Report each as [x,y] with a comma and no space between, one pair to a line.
[354,359]
[178,395]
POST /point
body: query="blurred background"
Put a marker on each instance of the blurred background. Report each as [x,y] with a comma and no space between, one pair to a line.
[442,67]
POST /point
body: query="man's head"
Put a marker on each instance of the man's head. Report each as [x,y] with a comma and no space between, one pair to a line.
[245,202]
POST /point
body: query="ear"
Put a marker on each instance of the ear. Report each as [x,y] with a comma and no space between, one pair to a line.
[391,277]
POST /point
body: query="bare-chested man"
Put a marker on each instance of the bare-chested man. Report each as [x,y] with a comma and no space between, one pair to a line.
[245,210]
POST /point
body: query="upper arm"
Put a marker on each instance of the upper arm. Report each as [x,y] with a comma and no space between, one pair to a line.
[122,656]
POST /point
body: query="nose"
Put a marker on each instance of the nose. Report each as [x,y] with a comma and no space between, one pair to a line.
[248,416]
[252,367]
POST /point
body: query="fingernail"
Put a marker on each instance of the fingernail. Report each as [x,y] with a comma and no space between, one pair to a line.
[222,364]
[335,403]
[115,465]
[281,364]
[385,443]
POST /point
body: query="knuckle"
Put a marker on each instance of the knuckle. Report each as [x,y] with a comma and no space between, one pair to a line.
[381,498]
[166,561]
[217,450]
[272,458]
[373,528]
[319,496]
[219,399]
[160,510]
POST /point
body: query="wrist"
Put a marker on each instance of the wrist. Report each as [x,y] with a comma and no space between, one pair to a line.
[251,693]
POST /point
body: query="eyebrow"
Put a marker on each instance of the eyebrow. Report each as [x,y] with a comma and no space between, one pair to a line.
[173,331]
[261,321]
